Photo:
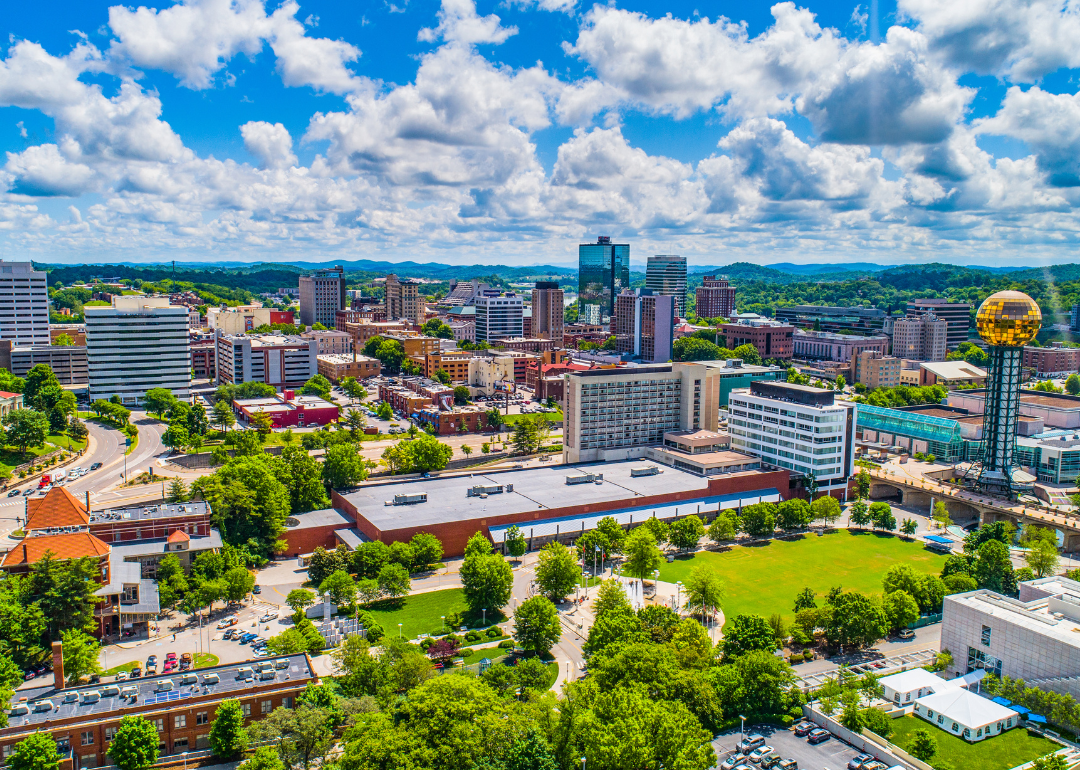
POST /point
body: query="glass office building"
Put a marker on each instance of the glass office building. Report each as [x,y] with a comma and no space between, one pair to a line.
[603,272]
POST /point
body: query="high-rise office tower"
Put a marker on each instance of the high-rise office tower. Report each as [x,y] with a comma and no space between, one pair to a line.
[603,272]
[956,314]
[715,298]
[498,316]
[666,274]
[402,299]
[24,304]
[547,311]
[137,344]
[322,294]
[644,324]
[920,338]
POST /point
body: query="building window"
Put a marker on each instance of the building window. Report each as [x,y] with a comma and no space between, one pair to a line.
[180,744]
[986,636]
[89,760]
[967,732]
[929,714]
[247,709]
[287,702]
[266,706]
[202,718]
[180,720]
[110,733]
[88,738]
[940,719]
[8,749]
[160,725]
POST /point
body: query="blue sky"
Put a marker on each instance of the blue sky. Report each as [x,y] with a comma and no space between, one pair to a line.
[508,132]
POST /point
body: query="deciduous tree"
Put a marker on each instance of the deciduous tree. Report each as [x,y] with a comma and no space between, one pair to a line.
[135,745]
[536,625]
[228,738]
[557,571]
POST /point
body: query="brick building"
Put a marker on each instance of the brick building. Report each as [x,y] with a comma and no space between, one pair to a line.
[548,503]
[827,346]
[182,706]
[288,410]
[1052,361]
[875,370]
[772,339]
[528,344]
[448,423]
[454,362]
[204,359]
[334,367]
[715,298]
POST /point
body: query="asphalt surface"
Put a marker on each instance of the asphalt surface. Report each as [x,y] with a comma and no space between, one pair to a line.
[833,754]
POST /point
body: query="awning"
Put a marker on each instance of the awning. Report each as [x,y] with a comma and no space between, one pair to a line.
[1002,701]
[939,539]
[1020,710]
[569,525]
[1036,719]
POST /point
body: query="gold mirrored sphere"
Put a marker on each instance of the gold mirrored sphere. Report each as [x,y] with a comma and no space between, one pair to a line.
[1008,319]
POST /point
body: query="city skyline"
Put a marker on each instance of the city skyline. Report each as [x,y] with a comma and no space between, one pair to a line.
[473,134]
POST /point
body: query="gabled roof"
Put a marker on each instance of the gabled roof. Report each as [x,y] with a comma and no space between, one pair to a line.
[4,394]
[179,536]
[59,508]
[967,708]
[31,550]
[914,679]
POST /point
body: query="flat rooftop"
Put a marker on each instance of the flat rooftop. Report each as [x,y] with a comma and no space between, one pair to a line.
[298,669]
[1036,616]
[148,512]
[535,489]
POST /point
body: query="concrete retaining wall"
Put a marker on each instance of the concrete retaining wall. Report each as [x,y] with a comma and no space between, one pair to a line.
[867,742]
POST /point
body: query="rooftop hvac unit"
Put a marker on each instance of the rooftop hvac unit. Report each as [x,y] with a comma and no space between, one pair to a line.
[648,470]
[585,478]
[419,497]
[481,490]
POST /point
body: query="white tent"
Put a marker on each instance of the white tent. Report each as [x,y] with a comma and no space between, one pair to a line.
[965,714]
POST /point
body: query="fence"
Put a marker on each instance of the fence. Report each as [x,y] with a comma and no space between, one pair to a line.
[926,620]
[867,742]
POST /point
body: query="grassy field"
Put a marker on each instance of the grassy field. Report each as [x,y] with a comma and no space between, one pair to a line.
[1011,748]
[763,579]
[10,457]
[421,613]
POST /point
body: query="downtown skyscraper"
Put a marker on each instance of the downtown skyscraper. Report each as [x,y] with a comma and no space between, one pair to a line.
[603,272]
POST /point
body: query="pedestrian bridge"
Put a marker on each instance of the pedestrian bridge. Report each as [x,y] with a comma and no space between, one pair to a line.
[962,504]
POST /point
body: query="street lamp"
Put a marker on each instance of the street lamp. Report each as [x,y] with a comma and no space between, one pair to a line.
[399,630]
[678,595]
[484,610]
[184,755]
[583,763]
[443,618]
[742,727]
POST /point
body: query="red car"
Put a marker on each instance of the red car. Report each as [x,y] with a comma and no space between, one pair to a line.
[170,656]
[170,665]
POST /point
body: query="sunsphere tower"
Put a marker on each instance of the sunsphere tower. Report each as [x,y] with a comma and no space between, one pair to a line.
[1006,322]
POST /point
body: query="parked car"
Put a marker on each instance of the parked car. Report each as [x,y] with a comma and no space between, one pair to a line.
[230,621]
[857,761]
[135,673]
[170,666]
[230,634]
[186,657]
[185,665]
[732,762]
[760,753]
[28,675]
[151,661]
[750,742]
[906,633]
[818,736]
[802,729]
[875,765]
[788,764]
[769,762]
[268,617]
[262,652]
[170,656]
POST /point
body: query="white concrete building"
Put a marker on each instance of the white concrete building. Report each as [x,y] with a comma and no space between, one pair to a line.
[1035,638]
[280,360]
[613,414]
[498,316]
[24,304]
[137,344]
[800,428]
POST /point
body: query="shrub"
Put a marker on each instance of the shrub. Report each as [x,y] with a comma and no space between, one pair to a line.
[506,644]
[787,720]
[426,642]
[454,638]
[467,653]
[473,636]
[494,632]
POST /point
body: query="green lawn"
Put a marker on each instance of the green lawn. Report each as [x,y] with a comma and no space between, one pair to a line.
[10,457]
[510,419]
[1011,748]
[764,579]
[421,613]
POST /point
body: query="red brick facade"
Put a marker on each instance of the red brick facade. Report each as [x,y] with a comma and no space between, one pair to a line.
[454,535]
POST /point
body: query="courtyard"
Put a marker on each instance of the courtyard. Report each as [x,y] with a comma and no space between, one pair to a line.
[764,578]
[1010,749]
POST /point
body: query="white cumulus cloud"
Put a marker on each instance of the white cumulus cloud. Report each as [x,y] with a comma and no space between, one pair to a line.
[269,142]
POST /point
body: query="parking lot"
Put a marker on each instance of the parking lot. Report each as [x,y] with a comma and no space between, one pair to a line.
[833,754]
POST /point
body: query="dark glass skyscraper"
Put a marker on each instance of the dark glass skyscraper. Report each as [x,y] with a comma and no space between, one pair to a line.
[603,272]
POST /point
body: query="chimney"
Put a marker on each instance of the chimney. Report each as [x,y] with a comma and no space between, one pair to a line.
[88,502]
[58,665]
